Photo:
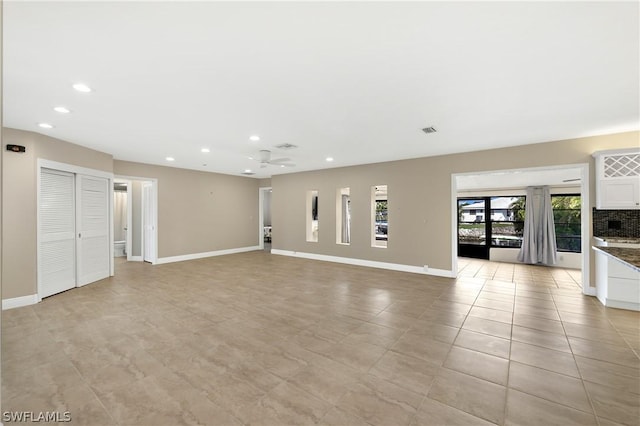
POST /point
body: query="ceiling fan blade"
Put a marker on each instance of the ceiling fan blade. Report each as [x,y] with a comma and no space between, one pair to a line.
[279,160]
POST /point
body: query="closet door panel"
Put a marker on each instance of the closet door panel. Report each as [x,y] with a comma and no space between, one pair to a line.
[57,248]
[93,229]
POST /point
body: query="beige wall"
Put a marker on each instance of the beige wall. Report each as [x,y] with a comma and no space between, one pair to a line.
[19,202]
[419,199]
[200,212]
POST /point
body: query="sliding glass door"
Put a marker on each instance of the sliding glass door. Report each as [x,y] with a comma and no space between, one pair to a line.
[485,222]
[472,228]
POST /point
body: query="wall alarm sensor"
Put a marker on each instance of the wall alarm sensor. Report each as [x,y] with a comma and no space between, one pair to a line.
[16,148]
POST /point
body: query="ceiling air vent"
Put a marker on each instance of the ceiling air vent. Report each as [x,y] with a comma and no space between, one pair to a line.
[286,146]
[429,130]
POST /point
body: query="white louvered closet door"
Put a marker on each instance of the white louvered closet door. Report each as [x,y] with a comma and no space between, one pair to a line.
[93,229]
[57,269]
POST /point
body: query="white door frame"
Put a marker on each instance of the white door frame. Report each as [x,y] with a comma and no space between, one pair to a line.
[149,230]
[129,243]
[77,170]
[261,192]
[585,216]
[154,209]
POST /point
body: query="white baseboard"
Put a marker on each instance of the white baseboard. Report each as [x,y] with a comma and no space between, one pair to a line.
[134,259]
[367,263]
[589,291]
[632,306]
[195,256]
[18,302]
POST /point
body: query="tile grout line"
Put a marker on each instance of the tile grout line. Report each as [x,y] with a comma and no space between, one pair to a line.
[588,395]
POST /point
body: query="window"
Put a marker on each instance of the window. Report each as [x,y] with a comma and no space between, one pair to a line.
[485,222]
[507,221]
[471,226]
[380,216]
[567,220]
[312,216]
[505,225]
[343,216]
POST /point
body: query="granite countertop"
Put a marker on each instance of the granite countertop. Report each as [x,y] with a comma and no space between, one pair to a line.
[620,240]
[628,256]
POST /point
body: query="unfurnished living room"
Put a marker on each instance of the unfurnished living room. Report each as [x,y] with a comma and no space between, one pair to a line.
[333,213]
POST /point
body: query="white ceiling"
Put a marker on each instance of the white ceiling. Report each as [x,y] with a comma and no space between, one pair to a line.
[356,81]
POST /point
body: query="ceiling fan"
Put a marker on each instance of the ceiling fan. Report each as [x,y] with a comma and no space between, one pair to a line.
[265,160]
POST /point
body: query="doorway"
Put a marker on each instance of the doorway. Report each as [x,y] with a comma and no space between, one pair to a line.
[574,175]
[141,240]
[473,228]
[122,218]
[264,222]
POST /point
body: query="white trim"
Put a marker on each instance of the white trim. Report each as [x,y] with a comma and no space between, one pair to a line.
[129,236]
[153,201]
[194,256]
[154,205]
[619,304]
[18,302]
[585,228]
[48,164]
[454,224]
[366,263]
[261,192]
[134,259]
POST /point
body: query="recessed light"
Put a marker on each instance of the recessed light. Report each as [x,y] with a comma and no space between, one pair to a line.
[247,171]
[205,150]
[254,138]
[62,110]
[170,159]
[81,87]
[45,125]
[282,165]
[329,159]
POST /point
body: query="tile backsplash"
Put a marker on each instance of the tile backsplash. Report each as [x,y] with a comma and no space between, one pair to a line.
[616,223]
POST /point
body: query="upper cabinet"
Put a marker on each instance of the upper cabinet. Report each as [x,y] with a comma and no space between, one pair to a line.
[618,179]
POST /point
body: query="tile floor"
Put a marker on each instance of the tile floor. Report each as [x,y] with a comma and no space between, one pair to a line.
[256,338]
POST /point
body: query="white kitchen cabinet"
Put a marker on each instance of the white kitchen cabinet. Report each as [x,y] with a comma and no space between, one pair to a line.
[618,179]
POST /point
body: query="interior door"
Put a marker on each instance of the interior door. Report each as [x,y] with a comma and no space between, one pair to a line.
[57,251]
[94,262]
[148,226]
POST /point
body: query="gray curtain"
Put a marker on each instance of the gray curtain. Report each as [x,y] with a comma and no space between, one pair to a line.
[346,220]
[539,239]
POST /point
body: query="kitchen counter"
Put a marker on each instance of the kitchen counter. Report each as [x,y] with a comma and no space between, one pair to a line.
[618,240]
[618,276]
[628,256]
